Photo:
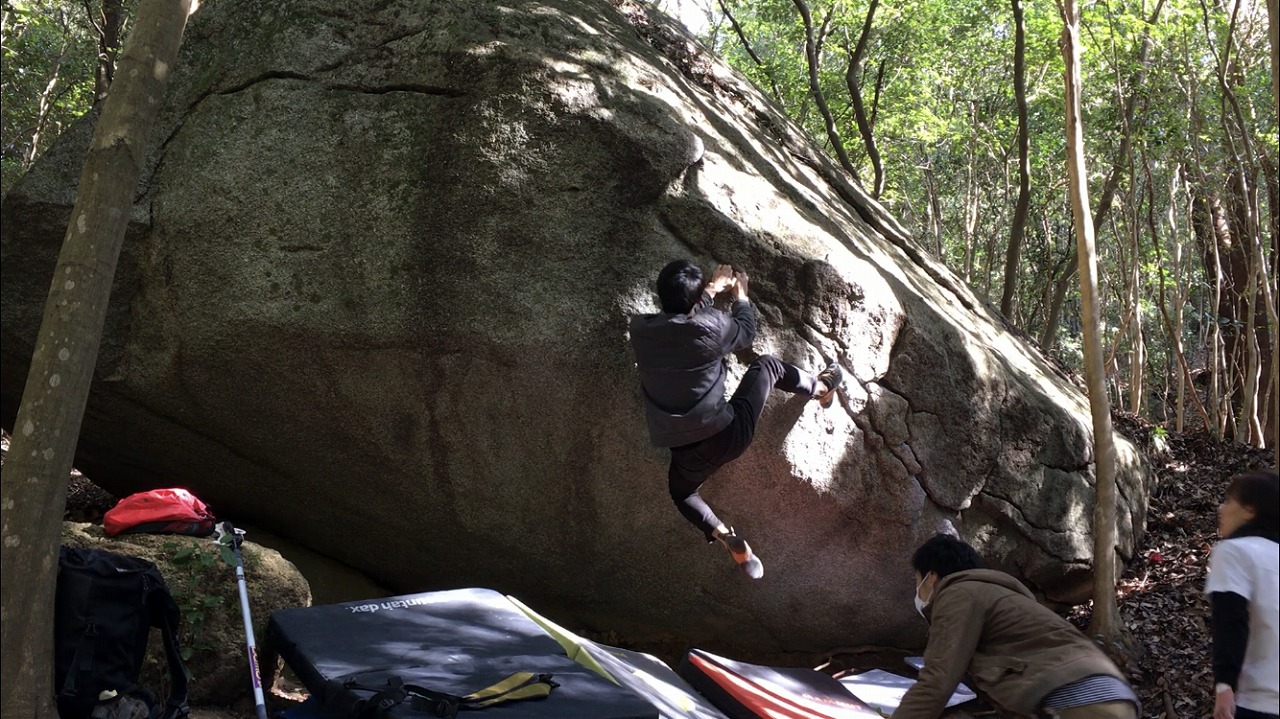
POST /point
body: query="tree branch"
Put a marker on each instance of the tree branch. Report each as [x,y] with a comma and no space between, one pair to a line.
[746,45]
[815,89]
[853,80]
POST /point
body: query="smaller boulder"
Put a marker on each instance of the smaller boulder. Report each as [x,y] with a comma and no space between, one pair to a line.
[203,583]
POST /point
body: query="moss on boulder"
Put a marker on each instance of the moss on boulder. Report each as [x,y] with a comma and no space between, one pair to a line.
[203,583]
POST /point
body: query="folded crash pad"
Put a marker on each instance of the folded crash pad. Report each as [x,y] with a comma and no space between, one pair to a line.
[644,674]
[752,691]
[652,679]
[884,690]
[456,642]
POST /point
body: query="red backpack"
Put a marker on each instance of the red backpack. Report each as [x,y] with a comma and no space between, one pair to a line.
[160,511]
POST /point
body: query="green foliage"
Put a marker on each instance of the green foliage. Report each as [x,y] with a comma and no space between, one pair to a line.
[50,51]
[1159,439]
[200,590]
[945,123]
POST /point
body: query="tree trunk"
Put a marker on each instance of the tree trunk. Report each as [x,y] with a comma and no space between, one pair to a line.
[853,79]
[1273,28]
[108,29]
[746,45]
[1105,624]
[1248,428]
[33,489]
[47,99]
[1263,358]
[1018,229]
[1212,233]
[813,57]
[1241,335]
[1133,291]
[1049,332]
[1179,301]
[932,210]
[1271,273]
[1247,354]
[970,206]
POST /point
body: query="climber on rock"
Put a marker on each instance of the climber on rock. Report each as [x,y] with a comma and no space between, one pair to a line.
[682,357]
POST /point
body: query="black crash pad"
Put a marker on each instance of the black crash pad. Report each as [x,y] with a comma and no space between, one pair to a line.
[455,641]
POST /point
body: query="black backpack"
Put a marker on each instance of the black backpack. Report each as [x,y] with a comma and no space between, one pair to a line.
[105,607]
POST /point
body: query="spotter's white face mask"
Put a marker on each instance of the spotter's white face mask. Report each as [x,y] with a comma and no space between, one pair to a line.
[920,603]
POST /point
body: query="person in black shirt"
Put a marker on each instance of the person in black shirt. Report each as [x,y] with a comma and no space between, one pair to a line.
[682,357]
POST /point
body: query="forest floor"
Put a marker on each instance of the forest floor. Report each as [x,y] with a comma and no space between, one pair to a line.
[1160,594]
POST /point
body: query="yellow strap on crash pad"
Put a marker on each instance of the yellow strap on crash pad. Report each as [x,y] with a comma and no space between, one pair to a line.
[521,685]
[571,642]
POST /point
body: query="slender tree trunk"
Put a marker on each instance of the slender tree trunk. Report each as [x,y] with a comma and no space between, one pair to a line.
[1248,428]
[1264,374]
[1122,333]
[988,255]
[1180,299]
[853,79]
[33,488]
[1018,228]
[970,208]
[108,28]
[1271,273]
[1248,355]
[47,99]
[1133,290]
[1049,332]
[933,210]
[813,57]
[1226,251]
[1273,29]
[746,45]
[1105,624]
[1209,228]
[1170,372]
[1046,287]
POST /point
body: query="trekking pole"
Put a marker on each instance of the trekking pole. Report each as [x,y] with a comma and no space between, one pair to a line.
[236,538]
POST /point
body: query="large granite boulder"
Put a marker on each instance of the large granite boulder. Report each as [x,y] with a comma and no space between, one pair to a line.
[374,298]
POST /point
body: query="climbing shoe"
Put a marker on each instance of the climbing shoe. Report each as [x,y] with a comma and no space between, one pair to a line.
[832,377]
[741,552]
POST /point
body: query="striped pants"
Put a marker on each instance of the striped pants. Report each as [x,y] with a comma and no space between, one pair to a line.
[1105,710]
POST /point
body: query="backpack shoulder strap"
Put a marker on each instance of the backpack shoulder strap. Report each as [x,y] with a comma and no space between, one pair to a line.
[341,696]
[164,612]
[74,597]
[81,665]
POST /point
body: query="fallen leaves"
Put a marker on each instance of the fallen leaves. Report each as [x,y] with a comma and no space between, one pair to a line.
[1161,594]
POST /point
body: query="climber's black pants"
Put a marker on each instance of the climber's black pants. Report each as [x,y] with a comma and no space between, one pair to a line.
[693,464]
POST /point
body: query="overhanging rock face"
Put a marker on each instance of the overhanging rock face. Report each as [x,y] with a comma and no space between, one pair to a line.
[375,293]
